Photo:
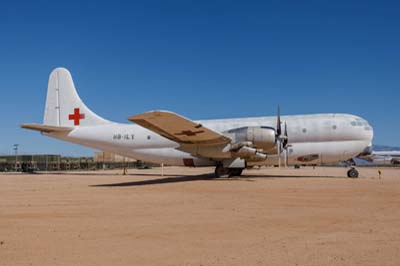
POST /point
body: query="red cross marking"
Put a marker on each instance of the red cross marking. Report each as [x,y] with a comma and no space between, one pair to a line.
[76,116]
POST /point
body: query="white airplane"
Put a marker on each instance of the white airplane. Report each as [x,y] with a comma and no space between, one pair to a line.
[230,145]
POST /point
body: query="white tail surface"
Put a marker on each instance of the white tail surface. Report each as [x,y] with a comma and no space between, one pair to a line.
[64,108]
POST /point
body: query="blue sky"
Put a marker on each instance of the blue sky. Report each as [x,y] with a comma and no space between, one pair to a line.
[202,59]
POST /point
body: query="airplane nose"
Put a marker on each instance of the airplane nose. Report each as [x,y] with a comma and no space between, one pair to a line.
[371,133]
[368,131]
[364,129]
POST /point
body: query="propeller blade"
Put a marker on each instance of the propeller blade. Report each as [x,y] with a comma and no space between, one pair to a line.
[278,123]
[285,139]
[285,133]
[279,143]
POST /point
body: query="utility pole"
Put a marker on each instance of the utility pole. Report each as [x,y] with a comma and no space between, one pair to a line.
[16,156]
[104,164]
[124,162]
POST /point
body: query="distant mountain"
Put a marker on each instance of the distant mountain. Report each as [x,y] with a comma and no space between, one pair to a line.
[384,148]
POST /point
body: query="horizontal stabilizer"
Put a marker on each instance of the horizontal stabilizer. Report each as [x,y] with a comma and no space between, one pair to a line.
[46,129]
[178,128]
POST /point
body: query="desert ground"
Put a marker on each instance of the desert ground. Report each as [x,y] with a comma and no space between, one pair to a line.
[266,217]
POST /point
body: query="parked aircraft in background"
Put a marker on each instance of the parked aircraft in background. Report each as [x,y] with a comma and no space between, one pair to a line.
[383,157]
[230,145]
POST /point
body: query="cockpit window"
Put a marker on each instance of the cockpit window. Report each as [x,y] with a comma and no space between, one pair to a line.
[361,123]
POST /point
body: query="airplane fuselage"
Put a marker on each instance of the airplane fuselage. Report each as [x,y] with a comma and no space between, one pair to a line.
[313,139]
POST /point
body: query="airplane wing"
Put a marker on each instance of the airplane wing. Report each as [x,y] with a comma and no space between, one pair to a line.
[178,128]
[46,129]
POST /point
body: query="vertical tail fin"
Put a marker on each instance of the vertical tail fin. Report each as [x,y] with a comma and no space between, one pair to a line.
[64,108]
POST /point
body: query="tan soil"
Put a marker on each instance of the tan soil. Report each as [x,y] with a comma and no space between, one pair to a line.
[317,217]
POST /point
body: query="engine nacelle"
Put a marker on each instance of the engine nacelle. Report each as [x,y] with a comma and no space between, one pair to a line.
[251,153]
[261,137]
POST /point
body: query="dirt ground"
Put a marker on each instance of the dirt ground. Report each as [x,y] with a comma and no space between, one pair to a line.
[315,217]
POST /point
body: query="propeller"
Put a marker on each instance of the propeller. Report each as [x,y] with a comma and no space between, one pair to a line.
[278,123]
[285,137]
[281,140]
[284,144]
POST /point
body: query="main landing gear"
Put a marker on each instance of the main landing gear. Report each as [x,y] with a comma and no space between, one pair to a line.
[221,171]
[352,173]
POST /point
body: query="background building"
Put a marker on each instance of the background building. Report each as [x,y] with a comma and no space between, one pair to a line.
[52,162]
[110,157]
[43,162]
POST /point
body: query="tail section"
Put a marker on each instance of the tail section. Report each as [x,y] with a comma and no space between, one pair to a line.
[64,108]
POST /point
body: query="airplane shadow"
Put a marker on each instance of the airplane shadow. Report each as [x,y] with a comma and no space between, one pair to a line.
[150,174]
[167,180]
[204,177]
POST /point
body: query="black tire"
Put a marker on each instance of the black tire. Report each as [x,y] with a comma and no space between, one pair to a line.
[221,171]
[352,173]
[235,171]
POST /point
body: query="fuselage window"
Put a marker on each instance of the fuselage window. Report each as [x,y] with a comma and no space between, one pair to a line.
[304,130]
[148,137]
[334,127]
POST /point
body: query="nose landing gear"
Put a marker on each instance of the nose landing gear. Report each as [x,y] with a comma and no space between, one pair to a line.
[352,173]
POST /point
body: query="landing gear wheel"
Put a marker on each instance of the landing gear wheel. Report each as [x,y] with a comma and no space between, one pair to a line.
[221,171]
[352,173]
[235,172]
